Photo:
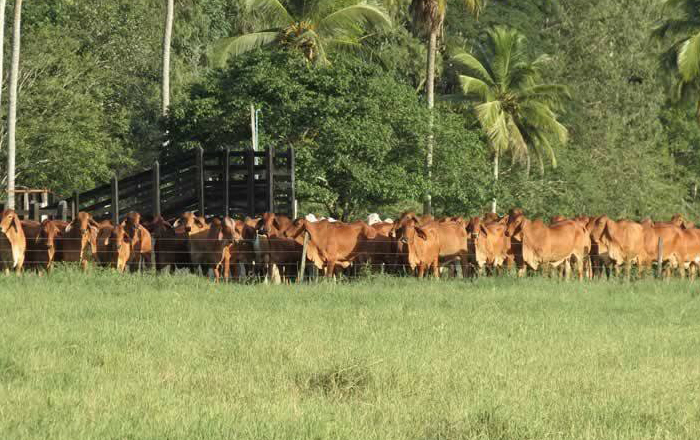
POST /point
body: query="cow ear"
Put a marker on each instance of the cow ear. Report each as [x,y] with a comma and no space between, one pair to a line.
[199,222]
[504,220]
[421,233]
[69,227]
[17,222]
[276,224]
[484,230]
[369,231]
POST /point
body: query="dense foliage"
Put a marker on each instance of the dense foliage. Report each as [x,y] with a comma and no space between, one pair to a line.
[89,106]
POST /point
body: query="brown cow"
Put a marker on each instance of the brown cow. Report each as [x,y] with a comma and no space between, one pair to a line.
[335,243]
[418,245]
[211,248]
[140,241]
[673,249]
[170,247]
[41,243]
[12,242]
[277,248]
[113,246]
[536,243]
[78,242]
[489,244]
[622,242]
[452,238]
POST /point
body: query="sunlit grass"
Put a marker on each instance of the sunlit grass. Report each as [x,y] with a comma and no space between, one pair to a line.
[139,356]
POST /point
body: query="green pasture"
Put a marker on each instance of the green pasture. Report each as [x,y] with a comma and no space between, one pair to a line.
[103,356]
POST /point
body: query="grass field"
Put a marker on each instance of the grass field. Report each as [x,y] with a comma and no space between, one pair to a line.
[176,357]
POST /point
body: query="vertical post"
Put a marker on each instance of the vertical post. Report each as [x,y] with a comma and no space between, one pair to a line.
[253,128]
[302,266]
[227,182]
[269,162]
[115,200]
[62,211]
[76,204]
[156,189]
[660,259]
[250,163]
[25,203]
[292,182]
[34,212]
[200,179]
[44,199]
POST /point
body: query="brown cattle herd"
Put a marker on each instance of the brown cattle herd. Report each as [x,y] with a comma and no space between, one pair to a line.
[273,246]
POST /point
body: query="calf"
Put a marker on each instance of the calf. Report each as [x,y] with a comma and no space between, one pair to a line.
[41,243]
[113,246]
[140,241]
[418,245]
[78,241]
[170,248]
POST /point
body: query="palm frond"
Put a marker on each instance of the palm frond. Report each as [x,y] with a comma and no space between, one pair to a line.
[234,46]
[469,64]
[516,144]
[493,121]
[689,58]
[273,10]
[355,19]
[474,87]
[549,93]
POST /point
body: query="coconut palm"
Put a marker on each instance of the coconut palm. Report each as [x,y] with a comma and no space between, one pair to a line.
[514,107]
[681,25]
[312,27]
[428,19]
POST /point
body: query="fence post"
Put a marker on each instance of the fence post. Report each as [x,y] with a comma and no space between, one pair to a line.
[200,179]
[76,204]
[25,203]
[269,162]
[302,266]
[115,200]
[34,212]
[227,181]
[660,259]
[62,211]
[250,163]
[292,182]
[156,189]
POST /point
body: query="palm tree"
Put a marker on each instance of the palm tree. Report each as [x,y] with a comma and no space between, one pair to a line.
[2,40]
[12,115]
[514,107]
[681,24]
[428,19]
[167,37]
[312,27]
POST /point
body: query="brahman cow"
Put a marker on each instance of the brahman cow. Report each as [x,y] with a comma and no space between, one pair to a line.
[12,242]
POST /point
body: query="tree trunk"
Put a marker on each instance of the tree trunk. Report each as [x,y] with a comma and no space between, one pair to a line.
[12,116]
[495,179]
[430,92]
[167,37]
[2,45]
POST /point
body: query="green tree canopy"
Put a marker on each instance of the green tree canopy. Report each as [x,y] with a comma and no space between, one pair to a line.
[357,131]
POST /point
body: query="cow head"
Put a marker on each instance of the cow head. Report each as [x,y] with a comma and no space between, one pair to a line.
[409,232]
[227,231]
[86,228]
[474,227]
[10,220]
[597,227]
[160,228]
[190,223]
[515,228]
[269,224]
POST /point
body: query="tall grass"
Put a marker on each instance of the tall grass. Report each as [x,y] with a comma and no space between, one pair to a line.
[131,357]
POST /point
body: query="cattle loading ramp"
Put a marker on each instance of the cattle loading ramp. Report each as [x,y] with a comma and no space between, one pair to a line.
[233,183]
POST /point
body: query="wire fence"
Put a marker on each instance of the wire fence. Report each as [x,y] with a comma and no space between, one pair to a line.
[282,258]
